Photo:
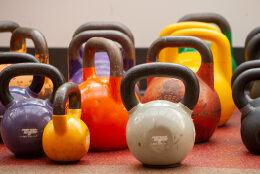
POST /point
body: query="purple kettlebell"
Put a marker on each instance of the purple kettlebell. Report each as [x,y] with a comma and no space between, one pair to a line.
[101,59]
[101,62]
[18,92]
[24,120]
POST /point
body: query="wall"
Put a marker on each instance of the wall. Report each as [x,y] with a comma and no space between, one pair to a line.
[58,19]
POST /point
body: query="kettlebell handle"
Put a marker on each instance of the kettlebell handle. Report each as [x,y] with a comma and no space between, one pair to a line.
[124,40]
[252,33]
[13,58]
[40,44]
[117,26]
[238,88]
[159,69]
[8,26]
[103,44]
[180,41]
[252,48]
[243,67]
[209,18]
[37,69]
[66,90]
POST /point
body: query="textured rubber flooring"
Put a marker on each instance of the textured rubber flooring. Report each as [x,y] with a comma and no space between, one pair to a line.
[224,150]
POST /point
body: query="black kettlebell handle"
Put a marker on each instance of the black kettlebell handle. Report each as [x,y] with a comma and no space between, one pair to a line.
[180,41]
[40,44]
[209,18]
[243,67]
[117,26]
[8,26]
[252,50]
[124,40]
[159,69]
[238,88]
[13,58]
[37,69]
[107,45]
[66,90]
[252,33]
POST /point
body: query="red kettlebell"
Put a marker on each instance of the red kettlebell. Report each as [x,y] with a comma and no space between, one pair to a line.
[102,107]
[206,114]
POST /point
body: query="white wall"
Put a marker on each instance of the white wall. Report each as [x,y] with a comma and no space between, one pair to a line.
[58,19]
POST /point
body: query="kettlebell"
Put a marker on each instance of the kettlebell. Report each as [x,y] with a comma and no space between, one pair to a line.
[206,113]
[217,19]
[17,92]
[24,120]
[250,121]
[252,33]
[102,108]
[241,68]
[78,40]
[41,52]
[160,133]
[222,66]
[66,137]
[252,53]
[100,57]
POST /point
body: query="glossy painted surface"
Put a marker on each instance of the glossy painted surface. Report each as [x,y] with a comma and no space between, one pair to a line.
[30,117]
[205,115]
[66,138]
[103,111]
[164,141]
[222,66]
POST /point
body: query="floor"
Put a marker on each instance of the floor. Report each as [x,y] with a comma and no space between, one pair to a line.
[224,153]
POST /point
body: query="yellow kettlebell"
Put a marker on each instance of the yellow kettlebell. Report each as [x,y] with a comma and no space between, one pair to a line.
[180,26]
[222,65]
[66,137]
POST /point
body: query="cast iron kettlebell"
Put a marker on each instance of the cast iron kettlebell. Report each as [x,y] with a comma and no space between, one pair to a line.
[24,120]
[160,133]
[250,115]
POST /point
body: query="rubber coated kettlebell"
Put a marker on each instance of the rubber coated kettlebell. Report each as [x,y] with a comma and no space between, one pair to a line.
[217,19]
[206,114]
[250,120]
[103,71]
[66,137]
[102,108]
[252,33]
[17,92]
[160,133]
[41,52]
[24,120]
[101,58]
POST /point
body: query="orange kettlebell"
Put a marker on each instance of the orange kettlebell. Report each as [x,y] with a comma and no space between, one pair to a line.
[41,52]
[102,107]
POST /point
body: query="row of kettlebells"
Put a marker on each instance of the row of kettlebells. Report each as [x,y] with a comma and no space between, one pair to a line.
[103,111]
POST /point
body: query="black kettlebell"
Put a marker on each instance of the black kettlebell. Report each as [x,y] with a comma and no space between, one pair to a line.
[250,115]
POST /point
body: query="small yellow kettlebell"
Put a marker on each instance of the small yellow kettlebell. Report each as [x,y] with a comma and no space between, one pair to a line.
[66,137]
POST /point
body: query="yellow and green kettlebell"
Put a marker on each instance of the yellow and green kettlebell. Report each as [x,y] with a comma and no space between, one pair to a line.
[222,65]
[66,137]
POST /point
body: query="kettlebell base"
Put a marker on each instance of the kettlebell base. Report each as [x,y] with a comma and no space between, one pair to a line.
[161,166]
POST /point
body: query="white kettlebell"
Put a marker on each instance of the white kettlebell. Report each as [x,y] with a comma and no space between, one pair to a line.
[160,133]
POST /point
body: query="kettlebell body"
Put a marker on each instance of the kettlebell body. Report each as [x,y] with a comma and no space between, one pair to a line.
[206,114]
[222,66]
[102,108]
[160,133]
[250,121]
[66,137]
[24,120]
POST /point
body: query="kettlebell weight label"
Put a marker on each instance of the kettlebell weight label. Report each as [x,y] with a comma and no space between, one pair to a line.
[29,133]
[159,140]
